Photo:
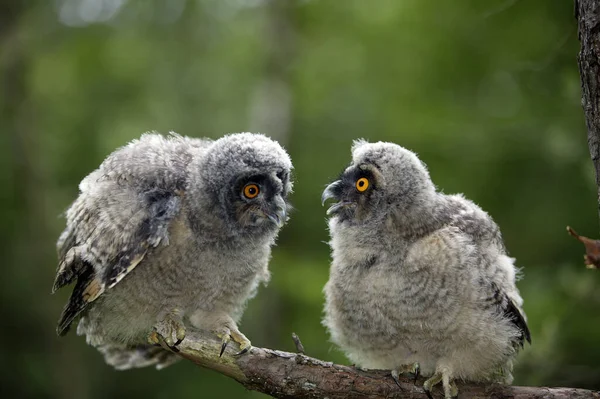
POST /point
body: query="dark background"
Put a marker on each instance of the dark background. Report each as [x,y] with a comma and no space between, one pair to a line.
[487,92]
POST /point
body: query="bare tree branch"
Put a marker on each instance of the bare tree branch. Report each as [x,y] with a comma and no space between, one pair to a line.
[290,375]
[592,249]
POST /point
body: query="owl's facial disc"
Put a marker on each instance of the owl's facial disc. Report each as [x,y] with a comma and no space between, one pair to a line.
[261,202]
[353,191]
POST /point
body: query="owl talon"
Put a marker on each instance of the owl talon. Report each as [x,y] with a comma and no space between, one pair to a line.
[156,339]
[407,368]
[395,376]
[227,335]
[417,373]
[453,390]
[245,350]
[245,344]
[225,340]
[169,332]
[428,384]
[450,388]
[179,334]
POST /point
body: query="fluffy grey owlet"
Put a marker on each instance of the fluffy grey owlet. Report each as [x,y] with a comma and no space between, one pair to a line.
[171,232]
[419,280]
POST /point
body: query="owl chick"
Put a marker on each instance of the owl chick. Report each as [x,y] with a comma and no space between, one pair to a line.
[170,232]
[419,280]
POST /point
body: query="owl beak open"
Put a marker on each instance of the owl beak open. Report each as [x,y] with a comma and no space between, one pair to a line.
[277,211]
[334,191]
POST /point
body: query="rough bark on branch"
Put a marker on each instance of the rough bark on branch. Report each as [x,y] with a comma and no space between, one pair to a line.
[587,13]
[290,375]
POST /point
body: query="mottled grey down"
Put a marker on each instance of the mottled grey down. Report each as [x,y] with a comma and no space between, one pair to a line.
[161,232]
[418,276]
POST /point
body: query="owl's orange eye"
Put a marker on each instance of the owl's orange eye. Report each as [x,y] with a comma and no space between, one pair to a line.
[362,184]
[251,190]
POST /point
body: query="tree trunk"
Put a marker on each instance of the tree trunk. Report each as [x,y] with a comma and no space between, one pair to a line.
[587,13]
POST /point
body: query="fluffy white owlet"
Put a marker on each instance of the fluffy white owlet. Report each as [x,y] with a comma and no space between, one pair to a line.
[420,281]
[171,232]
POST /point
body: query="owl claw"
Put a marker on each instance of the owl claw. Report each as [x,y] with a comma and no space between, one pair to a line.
[428,385]
[168,332]
[417,373]
[224,342]
[396,376]
[245,344]
[450,388]
[453,390]
[245,350]
[407,368]
[233,334]
[179,334]
[156,339]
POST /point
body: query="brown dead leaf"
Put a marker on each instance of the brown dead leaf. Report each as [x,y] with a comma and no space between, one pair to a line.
[592,249]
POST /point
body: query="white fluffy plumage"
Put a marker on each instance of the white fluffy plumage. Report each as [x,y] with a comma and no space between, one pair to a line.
[170,232]
[418,278]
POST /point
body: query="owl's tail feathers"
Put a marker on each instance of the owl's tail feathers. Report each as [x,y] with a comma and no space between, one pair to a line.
[123,357]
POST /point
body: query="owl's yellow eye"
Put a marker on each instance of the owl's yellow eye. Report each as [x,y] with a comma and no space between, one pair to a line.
[362,184]
[251,190]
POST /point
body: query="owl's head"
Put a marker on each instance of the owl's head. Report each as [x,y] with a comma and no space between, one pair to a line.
[382,178]
[247,180]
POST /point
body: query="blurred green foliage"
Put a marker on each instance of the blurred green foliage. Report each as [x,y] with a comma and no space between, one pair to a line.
[486,92]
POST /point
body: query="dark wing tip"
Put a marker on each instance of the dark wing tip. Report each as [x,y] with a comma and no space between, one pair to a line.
[516,317]
[60,281]
[66,318]
[512,313]
[63,327]
[69,268]
[527,334]
[85,291]
[162,205]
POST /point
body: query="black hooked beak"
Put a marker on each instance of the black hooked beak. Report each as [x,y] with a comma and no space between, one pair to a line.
[277,212]
[333,191]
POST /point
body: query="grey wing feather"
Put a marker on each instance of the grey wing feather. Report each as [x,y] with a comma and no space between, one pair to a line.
[475,222]
[124,209]
[68,267]
[100,268]
[480,227]
[161,207]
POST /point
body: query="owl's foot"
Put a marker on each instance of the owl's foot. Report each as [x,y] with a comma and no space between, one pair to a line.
[450,388]
[221,324]
[406,368]
[169,331]
[231,332]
